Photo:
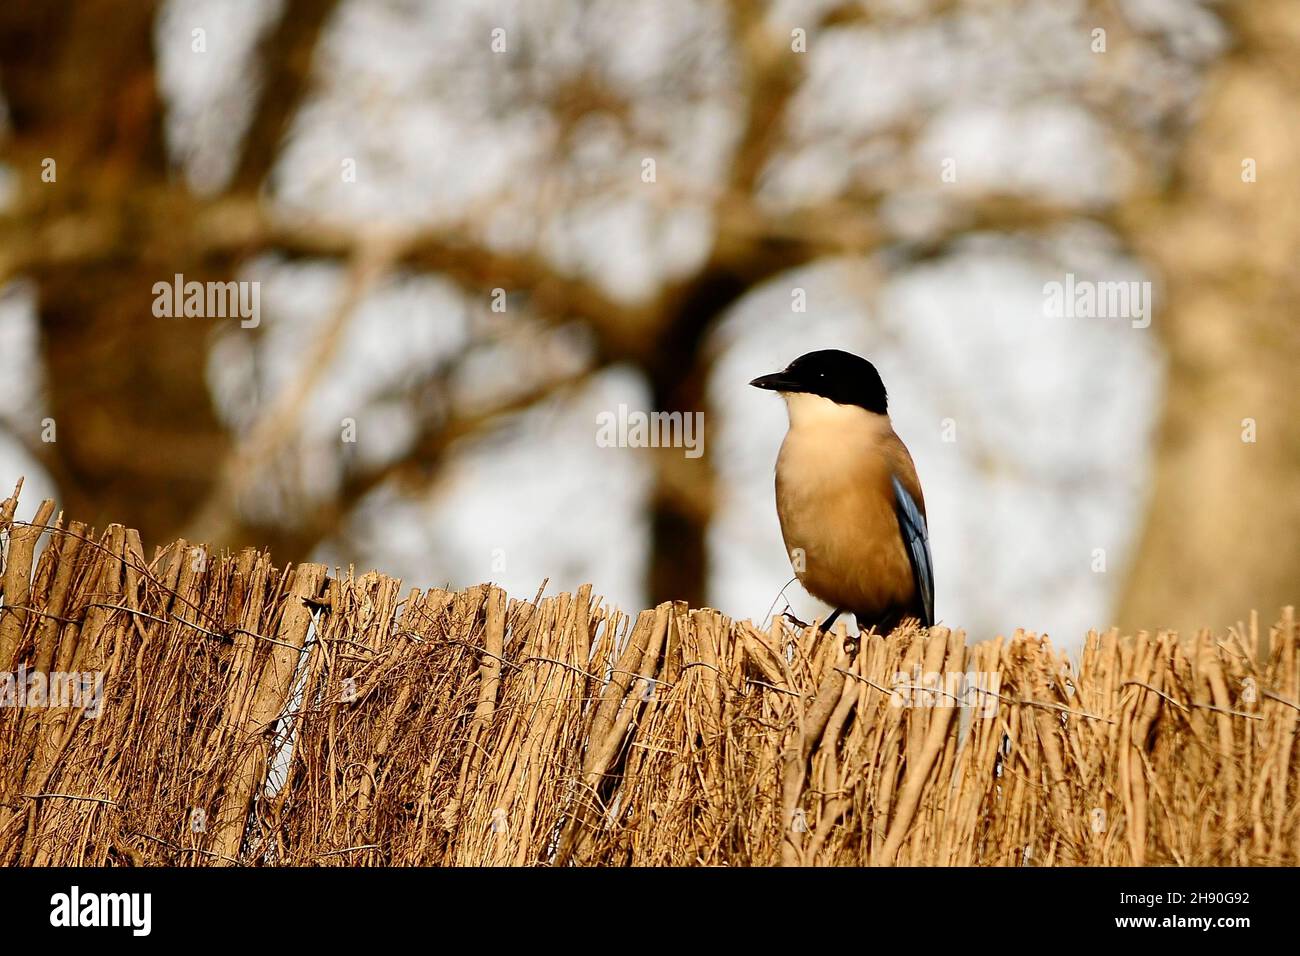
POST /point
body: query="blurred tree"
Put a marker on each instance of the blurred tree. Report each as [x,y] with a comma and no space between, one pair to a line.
[1223,530]
[78,80]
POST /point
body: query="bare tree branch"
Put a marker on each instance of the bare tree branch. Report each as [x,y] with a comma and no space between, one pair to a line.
[285,57]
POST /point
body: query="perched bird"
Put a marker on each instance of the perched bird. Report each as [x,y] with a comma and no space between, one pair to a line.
[847,494]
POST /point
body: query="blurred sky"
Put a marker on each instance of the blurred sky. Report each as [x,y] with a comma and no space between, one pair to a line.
[1053,417]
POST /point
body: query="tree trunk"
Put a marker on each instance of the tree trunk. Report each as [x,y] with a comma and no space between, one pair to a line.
[1223,530]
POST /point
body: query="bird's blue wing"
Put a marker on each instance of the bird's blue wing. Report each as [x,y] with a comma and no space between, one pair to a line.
[917,539]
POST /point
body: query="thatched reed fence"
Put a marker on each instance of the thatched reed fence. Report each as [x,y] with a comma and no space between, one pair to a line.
[252,714]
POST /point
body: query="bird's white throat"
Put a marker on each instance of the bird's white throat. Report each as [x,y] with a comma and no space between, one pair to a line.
[815,413]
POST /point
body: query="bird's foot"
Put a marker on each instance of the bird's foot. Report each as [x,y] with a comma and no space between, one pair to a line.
[827,624]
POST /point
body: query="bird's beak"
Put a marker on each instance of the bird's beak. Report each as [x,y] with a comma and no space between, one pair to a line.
[776,382]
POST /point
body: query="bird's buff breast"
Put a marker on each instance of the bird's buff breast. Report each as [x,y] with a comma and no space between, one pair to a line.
[835,504]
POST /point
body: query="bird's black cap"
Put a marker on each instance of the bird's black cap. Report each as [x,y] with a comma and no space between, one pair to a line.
[843,377]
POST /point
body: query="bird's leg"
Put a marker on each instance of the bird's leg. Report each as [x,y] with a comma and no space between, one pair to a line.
[884,625]
[850,641]
[827,624]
